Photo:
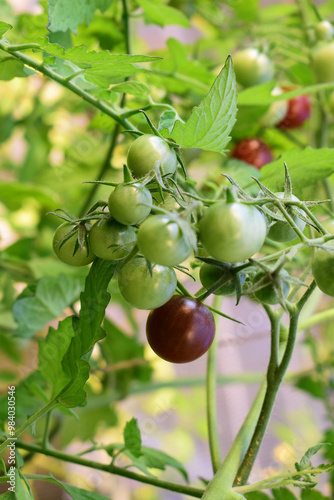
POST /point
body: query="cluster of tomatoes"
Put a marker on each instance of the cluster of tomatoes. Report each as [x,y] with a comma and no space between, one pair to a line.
[253,67]
[150,230]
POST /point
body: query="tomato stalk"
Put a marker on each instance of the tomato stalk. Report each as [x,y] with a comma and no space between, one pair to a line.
[211,396]
[31,420]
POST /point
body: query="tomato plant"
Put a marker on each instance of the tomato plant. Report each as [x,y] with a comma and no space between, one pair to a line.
[67,248]
[323,62]
[253,151]
[299,109]
[130,204]
[232,232]
[146,151]
[252,67]
[146,288]
[180,331]
[281,230]
[324,30]
[322,269]
[164,240]
[117,118]
[111,240]
[271,289]
[209,275]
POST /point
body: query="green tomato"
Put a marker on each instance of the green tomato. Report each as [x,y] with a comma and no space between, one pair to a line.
[232,232]
[323,62]
[142,289]
[323,269]
[127,203]
[108,235]
[282,231]
[252,67]
[162,241]
[69,251]
[209,275]
[276,111]
[268,294]
[324,30]
[146,151]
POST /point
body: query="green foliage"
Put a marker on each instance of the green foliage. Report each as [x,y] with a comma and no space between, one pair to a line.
[283,494]
[51,296]
[67,16]
[211,122]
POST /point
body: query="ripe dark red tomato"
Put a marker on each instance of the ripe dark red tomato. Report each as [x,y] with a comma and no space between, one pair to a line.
[299,110]
[181,330]
[253,151]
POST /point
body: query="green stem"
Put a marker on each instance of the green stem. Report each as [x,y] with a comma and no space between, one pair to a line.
[29,61]
[211,396]
[274,377]
[29,422]
[222,482]
[179,488]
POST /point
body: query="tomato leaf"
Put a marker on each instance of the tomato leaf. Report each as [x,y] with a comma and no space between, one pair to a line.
[283,494]
[52,296]
[66,15]
[87,328]
[162,15]
[257,495]
[136,89]
[211,122]
[313,495]
[4,27]
[51,353]
[132,437]
[305,167]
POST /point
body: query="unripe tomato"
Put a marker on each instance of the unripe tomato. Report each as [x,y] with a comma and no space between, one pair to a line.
[180,331]
[323,269]
[146,151]
[281,230]
[106,238]
[253,151]
[268,294]
[299,110]
[143,289]
[68,251]
[276,111]
[323,63]
[232,232]
[127,203]
[324,30]
[162,241]
[209,275]
[252,67]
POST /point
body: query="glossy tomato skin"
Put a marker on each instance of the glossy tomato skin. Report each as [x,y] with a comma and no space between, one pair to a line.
[146,151]
[128,203]
[65,251]
[281,231]
[324,30]
[142,289]
[209,275]
[299,110]
[252,67]
[268,294]
[180,331]
[162,241]
[323,269]
[253,151]
[323,62]
[107,236]
[232,232]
